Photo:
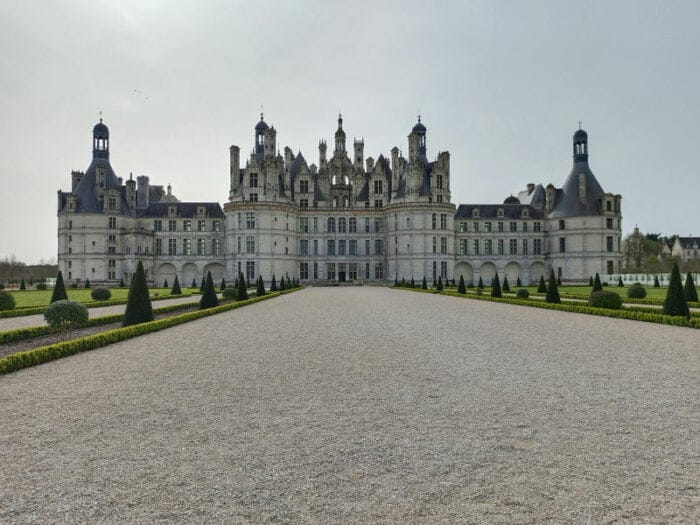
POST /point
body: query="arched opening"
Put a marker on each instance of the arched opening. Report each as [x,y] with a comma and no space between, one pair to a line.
[487,272]
[465,270]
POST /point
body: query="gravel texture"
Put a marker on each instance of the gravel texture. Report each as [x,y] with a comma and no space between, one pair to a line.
[342,405]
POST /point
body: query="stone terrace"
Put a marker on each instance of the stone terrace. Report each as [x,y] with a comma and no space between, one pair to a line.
[362,404]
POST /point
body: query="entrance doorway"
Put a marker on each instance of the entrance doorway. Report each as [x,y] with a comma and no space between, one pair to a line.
[341,273]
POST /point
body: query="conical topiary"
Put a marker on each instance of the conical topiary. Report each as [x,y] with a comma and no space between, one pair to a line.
[194,283]
[209,299]
[176,287]
[656,282]
[273,284]
[282,285]
[223,284]
[242,289]
[439,286]
[552,290]
[461,288]
[542,287]
[413,283]
[424,284]
[202,284]
[261,287]
[22,286]
[87,283]
[165,284]
[620,283]
[558,281]
[59,290]
[396,279]
[597,287]
[138,306]
[691,294]
[590,281]
[506,286]
[496,287]
[518,282]
[675,303]
[480,286]
[434,282]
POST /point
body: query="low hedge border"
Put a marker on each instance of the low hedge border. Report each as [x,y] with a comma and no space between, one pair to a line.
[655,301]
[44,354]
[33,310]
[625,313]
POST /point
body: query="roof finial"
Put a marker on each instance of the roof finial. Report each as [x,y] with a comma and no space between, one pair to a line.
[261,112]
[579,124]
[418,114]
[100,116]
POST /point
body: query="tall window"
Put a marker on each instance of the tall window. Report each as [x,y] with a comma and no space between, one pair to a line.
[304,271]
[250,270]
[537,246]
[379,271]
[303,247]
[172,225]
[525,226]
[500,226]
[187,225]
[433,221]
[379,246]
[341,247]
[366,246]
[172,250]
[378,225]
[439,182]
[513,246]
[562,244]
[488,247]
[159,246]
[463,246]
[315,224]
[488,227]
[250,221]
[524,246]
[443,245]
[304,188]
[331,224]
[253,180]
[562,224]
[304,224]
[158,225]
[352,247]
[330,270]
[186,246]
[609,243]
[537,226]
[434,244]
[513,226]
[342,225]
[303,203]
[352,225]
[250,244]
[378,186]
[330,247]
[216,246]
[443,221]
[112,223]
[476,227]
[500,247]
[378,203]
[201,246]
[443,269]
[216,225]
[201,225]
[315,246]
[366,224]
[476,246]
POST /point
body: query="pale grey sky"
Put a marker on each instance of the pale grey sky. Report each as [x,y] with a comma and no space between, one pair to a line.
[501,85]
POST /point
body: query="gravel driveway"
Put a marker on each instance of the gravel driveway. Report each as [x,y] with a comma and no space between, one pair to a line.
[362,405]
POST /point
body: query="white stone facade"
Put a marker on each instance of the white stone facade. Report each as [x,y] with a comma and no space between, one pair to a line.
[345,219]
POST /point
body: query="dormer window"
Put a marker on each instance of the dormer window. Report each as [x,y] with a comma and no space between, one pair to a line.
[475,213]
[525,212]
[172,211]
[499,213]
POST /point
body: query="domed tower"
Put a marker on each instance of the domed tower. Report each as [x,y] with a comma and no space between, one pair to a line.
[580,146]
[260,129]
[416,141]
[100,141]
[340,137]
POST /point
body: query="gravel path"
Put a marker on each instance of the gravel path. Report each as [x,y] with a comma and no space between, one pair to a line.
[362,404]
[12,323]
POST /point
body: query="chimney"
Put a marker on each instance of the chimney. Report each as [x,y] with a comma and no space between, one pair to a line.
[142,192]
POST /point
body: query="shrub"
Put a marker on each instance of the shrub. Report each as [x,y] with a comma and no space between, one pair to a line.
[522,293]
[552,290]
[41,286]
[203,284]
[396,279]
[223,284]
[496,287]
[22,286]
[691,294]
[505,287]
[74,285]
[518,282]
[229,294]
[596,284]
[66,315]
[273,284]
[175,290]
[260,290]
[424,284]
[59,290]
[480,286]
[620,283]
[138,306]
[209,299]
[165,284]
[434,283]
[676,303]
[121,283]
[439,286]
[101,294]
[542,287]
[461,288]
[590,281]
[243,289]
[87,283]
[656,282]
[413,283]
[636,291]
[605,299]
[194,283]
[7,301]
[2,286]
[283,287]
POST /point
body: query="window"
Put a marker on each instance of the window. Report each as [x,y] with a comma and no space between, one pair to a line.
[352,247]
[537,246]
[112,263]
[443,269]
[611,267]
[253,180]
[379,246]
[499,213]
[443,245]
[158,225]
[201,246]
[304,224]
[315,246]
[70,225]
[562,224]
[609,243]
[330,247]
[250,270]
[525,227]
[463,243]
[562,244]
[434,270]
[304,271]
[315,224]
[352,273]
[366,224]
[250,244]
[378,225]
[439,197]
[110,250]
[513,247]
[434,221]
[476,227]
[172,226]
[331,225]
[303,203]
[172,250]
[342,225]
[462,227]
[609,223]
[500,226]
[379,271]
[524,246]
[488,227]
[330,270]
[341,247]
[112,203]
[304,188]
[378,187]
[186,246]
[378,203]
[70,250]
[159,246]
[216,246]
[500,246]
[438,182]
[513,226]
[608,207]
[443,221]
[250,221]
[434,244]
[366,246]
[187,225]
[112,223]
[315,270]
[201,225]
[352,225]
[475,213]
[253,197]
[216,225]
[476,246]
[239,245]
[488,247]
[537,226]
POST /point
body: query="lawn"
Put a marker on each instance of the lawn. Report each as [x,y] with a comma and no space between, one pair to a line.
[82,295]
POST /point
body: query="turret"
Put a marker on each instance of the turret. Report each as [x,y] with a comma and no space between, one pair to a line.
[131,191]
[359,153]
[235,162]
[100,141]
[322,147]
[260,129]
[580,145]
[76,177]
[340,137]
[270,136]
[416,142]
[142,192]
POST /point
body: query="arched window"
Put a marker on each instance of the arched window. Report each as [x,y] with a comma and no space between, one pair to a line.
[341,225]
[345,202]
[331,224]
[353,225]
[335,202]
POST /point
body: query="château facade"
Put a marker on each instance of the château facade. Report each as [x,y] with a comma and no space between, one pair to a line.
[347,218]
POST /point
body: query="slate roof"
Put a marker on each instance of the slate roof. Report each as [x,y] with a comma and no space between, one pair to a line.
[185,210]
[689,242]
[568,203]
[490,211]
[87,201]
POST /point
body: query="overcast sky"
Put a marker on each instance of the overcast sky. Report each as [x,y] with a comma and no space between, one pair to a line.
[501,85]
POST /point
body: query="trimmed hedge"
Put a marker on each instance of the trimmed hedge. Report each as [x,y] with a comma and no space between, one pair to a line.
[7,301]
[636,291]
[605,299]
[44,354]
[522,293]
[66,314]
[101,294]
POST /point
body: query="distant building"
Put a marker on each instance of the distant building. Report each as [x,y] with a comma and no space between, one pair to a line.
[347,218]
[686,248]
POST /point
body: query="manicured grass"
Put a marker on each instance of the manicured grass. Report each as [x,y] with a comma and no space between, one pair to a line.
[652,293]
[26,298]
